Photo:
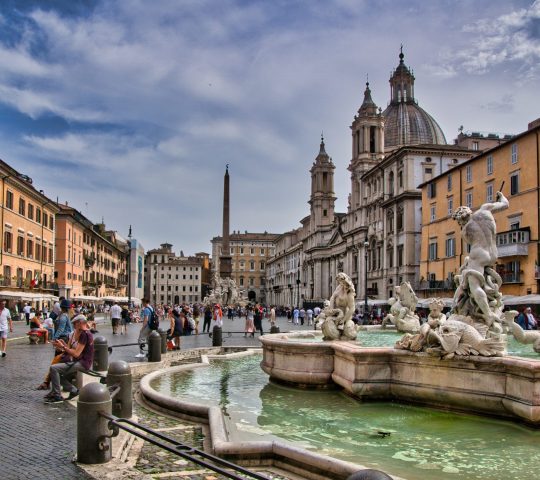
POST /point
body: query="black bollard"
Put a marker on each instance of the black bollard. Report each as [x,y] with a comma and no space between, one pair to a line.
[217,336]
[120,374]
[101,354]
[154,347]
[163,334]
[274,329]
[369,474]
[93,446]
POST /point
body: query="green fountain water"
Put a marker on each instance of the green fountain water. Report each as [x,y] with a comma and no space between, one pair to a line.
[423,443]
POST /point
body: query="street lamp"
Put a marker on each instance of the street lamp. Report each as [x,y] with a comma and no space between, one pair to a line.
[129,268]
[298,289]
[366,245]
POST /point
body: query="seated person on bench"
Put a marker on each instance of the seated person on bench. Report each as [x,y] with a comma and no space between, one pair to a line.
[36,326]
[81,350]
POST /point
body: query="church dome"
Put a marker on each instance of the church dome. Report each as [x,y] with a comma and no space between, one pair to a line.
[406,123]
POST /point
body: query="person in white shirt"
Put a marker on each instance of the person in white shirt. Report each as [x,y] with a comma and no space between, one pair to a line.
[26,310]
[116,315]
[5,324]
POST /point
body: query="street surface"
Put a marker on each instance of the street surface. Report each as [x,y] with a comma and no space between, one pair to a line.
[38,441]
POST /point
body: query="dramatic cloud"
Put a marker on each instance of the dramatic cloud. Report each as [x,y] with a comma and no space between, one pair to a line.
[130,111]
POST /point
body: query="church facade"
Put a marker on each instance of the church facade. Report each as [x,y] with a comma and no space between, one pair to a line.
[378,239]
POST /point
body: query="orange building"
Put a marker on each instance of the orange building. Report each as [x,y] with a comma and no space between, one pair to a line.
[89,259]
[28,238]
[473,183]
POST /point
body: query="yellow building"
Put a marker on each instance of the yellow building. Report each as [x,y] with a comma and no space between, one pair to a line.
[28,238]
[473,183]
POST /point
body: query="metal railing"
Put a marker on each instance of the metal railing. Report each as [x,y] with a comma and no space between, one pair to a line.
[187,452]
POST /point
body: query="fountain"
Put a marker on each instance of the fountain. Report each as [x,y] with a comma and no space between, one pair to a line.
[455,363]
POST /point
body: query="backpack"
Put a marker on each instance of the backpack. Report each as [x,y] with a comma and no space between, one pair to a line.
[153,320]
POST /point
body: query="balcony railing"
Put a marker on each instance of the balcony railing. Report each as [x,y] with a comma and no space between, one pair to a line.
[513,243]
[435,285]
[512,277]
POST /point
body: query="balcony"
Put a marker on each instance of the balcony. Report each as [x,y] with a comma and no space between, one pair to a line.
[512,277]
[435,285]
[513,243]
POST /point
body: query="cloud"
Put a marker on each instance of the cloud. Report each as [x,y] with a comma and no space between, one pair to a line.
[512,38]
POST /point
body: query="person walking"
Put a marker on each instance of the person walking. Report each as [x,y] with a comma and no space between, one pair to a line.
[26,310]
[272,316]
[257,319]
[147,311]
[116,315]
[296,316]
[6,324]
[302,316]
[207,319]
[250,325]
[309,314]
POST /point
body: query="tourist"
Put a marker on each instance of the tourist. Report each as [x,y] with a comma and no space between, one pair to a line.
[176,323]
[26,310]
[79,358]
[207,319]
[36,326]
[62,324]
[257,319]
[116,315]
[302,315]
[49,325]
[526,319]
[145,329]
[272,316]
[5,324]
[124,320]
[309,314]
[296,315]
[218,315]
[250,324]
[197,318]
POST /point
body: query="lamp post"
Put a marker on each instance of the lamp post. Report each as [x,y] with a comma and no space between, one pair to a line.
[129,268]
[366,245]
[298,289]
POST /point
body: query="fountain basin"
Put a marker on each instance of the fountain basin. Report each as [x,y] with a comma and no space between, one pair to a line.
[507,387]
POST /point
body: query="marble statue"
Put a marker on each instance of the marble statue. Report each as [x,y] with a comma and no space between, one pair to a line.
[522,336]
[224,292]
[402,308]
[335,320]
[474,326]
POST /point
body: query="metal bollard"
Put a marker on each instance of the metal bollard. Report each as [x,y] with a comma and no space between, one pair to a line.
[274,329]
[101,354]
[163,334]
[369,474]
[154,347]
[93,434]
[120,374]
[217,336]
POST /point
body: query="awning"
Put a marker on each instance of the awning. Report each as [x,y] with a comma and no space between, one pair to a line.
[29,296]
[134,300]
[532,299]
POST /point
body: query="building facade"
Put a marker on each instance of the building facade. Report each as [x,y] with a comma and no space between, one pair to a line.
[513,166]
[172,279]
[89,259]
[28,234]
[377,241]
[249,254]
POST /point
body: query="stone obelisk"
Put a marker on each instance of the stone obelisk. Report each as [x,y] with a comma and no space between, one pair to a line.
[225,264]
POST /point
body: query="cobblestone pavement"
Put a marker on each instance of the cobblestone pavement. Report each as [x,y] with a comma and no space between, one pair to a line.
[38,441]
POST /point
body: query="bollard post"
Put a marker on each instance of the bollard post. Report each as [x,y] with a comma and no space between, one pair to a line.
[101,354]
[93,434]
[217,336]
[163,334]
[274,329]
[120,374]
[369,474]
[154,347]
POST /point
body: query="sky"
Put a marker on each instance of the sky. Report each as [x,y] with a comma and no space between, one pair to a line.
[130,111]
